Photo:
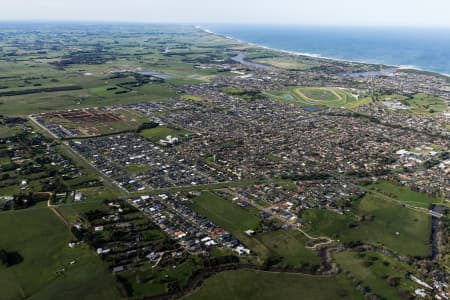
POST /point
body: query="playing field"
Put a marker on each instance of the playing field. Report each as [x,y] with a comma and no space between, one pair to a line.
[38,240]
[249,285]
[161,132]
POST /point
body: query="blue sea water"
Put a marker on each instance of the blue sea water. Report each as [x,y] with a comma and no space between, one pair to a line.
[426,49]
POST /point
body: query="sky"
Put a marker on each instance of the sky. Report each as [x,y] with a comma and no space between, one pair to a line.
[409,13]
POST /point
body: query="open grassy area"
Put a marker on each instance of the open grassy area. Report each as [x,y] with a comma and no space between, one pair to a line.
[376,220]
[257,285]
[155,281]
[6,132]
[383,275]
[423,103]
[287,244]
[39,241]
[317,97]
[404,194]
[290,246]
[232,218]
[225,213]
[419,103]
[161,132]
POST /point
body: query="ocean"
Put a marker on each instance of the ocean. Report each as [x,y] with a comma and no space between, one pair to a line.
[424,49]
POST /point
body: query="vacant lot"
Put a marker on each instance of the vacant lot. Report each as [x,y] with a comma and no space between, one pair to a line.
[249,284]
[225,213]
[232,218]
[38,242]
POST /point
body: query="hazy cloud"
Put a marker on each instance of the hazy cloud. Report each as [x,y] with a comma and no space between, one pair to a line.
[341,12]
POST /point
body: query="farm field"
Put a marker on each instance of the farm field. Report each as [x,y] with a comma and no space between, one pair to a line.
[92,122]
[376,221]
[250,284]
[38,240]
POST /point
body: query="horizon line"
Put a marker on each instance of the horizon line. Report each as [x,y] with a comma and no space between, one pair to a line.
[192,23]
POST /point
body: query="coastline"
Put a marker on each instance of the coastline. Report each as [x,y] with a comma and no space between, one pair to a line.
[318,56]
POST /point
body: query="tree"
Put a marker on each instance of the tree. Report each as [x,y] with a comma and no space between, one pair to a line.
[4,258]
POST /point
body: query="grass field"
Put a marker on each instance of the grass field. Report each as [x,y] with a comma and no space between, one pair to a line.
[376,220]
[22,105]
[404,194]
[257,285]
[290,245]
[225,213]
[156,281]
[317,97]
[232,218]
[161,132]
[6,132]
[41,240]
[419,103]
[423,103]
[371,267]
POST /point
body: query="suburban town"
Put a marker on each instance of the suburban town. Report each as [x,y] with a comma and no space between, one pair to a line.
[242,164]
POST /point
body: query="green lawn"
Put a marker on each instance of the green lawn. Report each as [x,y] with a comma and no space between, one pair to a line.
[250,284]
[40,238]
[376,221]
[161,132]
[371,268]
[136,168]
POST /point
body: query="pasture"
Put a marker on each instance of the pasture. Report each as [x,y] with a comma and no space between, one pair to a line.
[88,122]
[258,285]
[41,267]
